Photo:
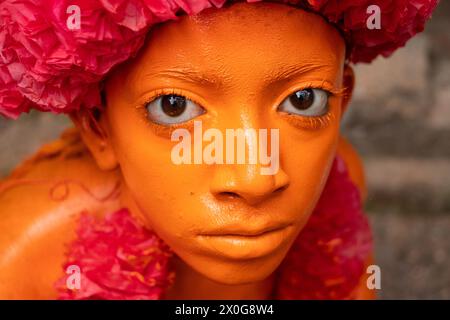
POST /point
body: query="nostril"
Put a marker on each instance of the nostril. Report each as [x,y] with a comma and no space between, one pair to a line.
[281,189]
[228,195]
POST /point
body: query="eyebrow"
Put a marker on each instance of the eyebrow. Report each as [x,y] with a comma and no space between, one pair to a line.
[191,75]
[292,71]
[213,79]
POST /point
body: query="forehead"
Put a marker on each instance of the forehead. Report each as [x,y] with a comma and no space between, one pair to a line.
[242,42]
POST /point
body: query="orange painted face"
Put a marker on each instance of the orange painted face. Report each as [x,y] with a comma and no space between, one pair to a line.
[249,66]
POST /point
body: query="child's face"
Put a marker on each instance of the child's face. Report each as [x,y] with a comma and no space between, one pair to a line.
[248,66]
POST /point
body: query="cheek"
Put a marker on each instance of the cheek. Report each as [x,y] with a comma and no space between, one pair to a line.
[306,157]
[166,194]
[161,189]
[146,166]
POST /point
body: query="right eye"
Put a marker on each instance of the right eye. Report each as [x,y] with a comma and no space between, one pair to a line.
[172,109]
[307,103]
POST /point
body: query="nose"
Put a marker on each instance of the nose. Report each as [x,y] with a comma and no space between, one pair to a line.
[246,182]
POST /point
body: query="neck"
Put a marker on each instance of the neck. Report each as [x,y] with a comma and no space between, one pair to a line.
[189,285]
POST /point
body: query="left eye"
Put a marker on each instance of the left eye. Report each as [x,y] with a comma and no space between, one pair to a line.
[307,102]
[172,109]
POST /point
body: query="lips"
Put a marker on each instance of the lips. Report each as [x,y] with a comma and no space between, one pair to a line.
[244,232]
[245,243]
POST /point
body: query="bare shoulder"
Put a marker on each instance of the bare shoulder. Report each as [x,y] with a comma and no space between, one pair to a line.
[354,165]
[40,203]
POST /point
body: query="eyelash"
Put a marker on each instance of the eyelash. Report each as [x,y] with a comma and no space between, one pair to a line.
[172,91]
[309,123]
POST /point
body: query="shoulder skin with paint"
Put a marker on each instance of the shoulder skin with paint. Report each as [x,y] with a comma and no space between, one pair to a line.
[40,203]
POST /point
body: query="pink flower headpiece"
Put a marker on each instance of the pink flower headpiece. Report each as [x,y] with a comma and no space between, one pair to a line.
[48,66]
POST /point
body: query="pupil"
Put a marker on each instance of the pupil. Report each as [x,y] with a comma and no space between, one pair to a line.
[303,99]
[173,105]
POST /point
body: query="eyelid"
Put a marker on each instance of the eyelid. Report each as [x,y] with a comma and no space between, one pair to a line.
[314,84]
[157,93]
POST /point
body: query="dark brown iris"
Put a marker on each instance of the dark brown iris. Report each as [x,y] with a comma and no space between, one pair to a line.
[173,105]
[302,99]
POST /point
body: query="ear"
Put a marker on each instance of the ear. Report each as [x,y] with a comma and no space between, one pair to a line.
[348,84]
[93,130]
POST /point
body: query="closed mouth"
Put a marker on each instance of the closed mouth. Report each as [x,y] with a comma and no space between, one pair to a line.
[245,244]
[229,232]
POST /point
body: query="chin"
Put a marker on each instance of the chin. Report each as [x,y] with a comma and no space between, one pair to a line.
[237,272]
[245,273]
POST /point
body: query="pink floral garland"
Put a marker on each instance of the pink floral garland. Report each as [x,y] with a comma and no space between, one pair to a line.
[119,259]
[48,66]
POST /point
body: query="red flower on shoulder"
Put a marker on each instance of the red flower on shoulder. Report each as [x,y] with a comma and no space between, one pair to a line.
[118,259]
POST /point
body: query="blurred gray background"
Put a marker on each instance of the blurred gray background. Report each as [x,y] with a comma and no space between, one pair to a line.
[399,121]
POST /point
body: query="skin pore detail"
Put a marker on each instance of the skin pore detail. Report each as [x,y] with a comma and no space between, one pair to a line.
[229,226]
